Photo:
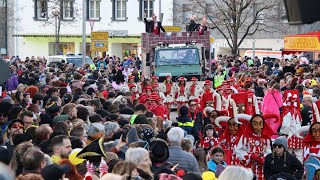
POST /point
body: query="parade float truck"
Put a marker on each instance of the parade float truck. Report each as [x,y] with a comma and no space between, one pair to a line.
[176,55]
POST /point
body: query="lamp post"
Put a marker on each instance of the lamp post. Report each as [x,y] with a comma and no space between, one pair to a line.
[56,16]
[84,31]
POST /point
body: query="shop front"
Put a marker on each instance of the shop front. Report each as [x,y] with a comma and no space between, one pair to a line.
[308,43]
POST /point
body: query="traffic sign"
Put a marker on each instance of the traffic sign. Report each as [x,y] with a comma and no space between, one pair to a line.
[172,28]
[99,41]
[99,46]
[211,40]
[99,36]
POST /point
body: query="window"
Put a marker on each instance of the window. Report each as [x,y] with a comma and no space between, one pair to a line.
[94,10]
[67,9]
[41,9]
[148,7]
[120,7]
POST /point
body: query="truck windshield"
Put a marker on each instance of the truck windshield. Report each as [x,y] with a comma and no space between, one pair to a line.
[177,56]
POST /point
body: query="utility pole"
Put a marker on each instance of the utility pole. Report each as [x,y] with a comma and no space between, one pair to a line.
[84,34]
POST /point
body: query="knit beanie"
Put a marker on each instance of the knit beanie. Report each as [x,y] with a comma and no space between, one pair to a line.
[184,111]
[281,140]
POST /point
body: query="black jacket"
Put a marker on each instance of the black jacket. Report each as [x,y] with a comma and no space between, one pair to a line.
[150,26]
[293,166]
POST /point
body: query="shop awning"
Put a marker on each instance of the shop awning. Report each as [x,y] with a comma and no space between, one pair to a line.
[70,36]
[309,42]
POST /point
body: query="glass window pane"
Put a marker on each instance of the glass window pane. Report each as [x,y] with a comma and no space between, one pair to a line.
[145,4]
[98,5]
[123,13]
[91,5]
[118,5]
[91,15]
[151,4]
[118,13]
[98,13]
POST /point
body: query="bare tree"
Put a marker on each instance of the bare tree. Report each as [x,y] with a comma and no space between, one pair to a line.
[60,13]
[235,20]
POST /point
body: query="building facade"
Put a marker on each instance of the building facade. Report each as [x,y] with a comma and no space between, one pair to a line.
[264,39]
[39,21]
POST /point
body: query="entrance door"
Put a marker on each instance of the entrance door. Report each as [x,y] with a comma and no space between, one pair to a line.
[129,49]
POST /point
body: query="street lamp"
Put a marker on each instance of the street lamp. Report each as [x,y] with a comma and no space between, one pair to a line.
[56,16]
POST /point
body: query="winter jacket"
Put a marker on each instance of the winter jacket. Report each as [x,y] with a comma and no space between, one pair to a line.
[185,160]
[212,166]
[293,166]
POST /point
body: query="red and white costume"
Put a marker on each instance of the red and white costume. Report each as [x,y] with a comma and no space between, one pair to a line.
[229,142]
[182,92]
[193,88]
[253,148]
[169,90]
[292,121]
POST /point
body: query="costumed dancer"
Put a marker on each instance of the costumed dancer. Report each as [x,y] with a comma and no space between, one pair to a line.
[143,98]
[223,100]
[169,89]
[206,95]
[254,144]
[230,138]
[193,88]
[142,84]
[134,93]
[154,80]
[292,122]
[152,102]
[181,93]
[210,115]
[162,110]
[232,83]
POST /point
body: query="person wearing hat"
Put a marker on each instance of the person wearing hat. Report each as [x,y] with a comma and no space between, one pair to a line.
[133,90]
[193,88]
[169,89]
[15,127]
[186,123]
[181,94]
[152,102]
[281,161]
[143,98]
[206,94]
[154,80]
[161,109]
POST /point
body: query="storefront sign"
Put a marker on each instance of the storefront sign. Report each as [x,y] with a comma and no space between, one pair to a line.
[118,32]
[301,43]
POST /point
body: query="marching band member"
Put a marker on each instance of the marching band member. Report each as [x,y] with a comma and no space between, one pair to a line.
[134,93]
[162,110]
[154,80]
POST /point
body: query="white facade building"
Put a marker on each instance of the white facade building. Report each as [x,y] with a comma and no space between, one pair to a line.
[34,33]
